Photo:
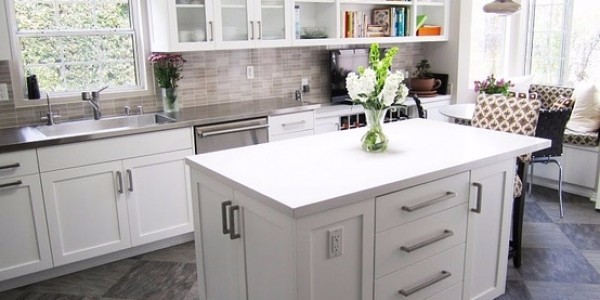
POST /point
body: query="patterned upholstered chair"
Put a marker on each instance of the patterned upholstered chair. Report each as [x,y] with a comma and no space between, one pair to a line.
[514,115]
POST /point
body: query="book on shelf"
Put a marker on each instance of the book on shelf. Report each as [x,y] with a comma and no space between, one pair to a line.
[429,30]
[355,24]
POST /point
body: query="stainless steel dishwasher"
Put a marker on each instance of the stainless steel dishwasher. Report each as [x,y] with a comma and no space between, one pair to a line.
[231,135]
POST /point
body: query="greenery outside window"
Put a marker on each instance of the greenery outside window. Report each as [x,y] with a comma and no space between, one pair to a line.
[564,41]
[77,45]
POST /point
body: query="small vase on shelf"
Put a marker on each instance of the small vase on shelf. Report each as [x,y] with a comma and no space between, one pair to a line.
[374,139]
[169,100]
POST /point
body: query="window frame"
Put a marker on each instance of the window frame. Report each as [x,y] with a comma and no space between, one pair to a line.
[140,47]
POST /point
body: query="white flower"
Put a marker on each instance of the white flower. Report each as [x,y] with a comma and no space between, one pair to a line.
[392,89]
[359,88]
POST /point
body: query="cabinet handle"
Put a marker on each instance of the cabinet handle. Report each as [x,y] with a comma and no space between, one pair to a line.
[252,29]
[443,275]
[427,203]
[119,182]
[11,166]
[479,197]
[130,180]
[338,126]
[259,30]
[446,234]
[301,122]
[15,183]
[232,234]
[210,24]
[224,216]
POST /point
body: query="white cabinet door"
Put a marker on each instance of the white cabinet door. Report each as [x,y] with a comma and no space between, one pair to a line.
[5,53]
[158,196]
[266,236]
[223,257]
[252,23]
[24,245]
[488,230]
[181,25]
[86,210]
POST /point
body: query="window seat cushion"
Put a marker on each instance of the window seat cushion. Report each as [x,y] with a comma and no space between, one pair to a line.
[581,138]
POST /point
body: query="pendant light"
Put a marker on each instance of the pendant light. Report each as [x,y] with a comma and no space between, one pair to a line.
[502,7]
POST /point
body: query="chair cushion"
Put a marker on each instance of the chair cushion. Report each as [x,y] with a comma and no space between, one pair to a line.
[586,112]
[500,113]
[581,138]
[518,187]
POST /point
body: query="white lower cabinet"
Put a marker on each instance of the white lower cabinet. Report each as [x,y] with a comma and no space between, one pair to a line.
[139,195]
[24,244]
[489,230]
[429,241]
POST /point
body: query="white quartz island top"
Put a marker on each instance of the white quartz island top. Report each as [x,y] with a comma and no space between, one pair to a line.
[306,175]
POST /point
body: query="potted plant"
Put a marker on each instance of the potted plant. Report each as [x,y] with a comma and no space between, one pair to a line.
[422,80]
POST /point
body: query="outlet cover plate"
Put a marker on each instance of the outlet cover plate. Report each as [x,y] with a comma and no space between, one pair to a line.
[4,92]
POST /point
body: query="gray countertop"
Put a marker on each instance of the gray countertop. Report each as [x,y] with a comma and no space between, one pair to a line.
[12,139]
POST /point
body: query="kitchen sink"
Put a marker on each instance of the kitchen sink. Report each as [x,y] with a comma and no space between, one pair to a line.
[103,125]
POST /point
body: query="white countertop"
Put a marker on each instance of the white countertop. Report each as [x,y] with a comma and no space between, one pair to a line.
[306,175]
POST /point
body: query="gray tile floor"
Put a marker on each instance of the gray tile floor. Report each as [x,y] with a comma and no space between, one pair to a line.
[561,260]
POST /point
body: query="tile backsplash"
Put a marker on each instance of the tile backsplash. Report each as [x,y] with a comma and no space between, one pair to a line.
[212,77]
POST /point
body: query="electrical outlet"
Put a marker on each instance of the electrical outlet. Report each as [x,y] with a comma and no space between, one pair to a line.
[304,81]
[250,72]
[3,92]
[335,242]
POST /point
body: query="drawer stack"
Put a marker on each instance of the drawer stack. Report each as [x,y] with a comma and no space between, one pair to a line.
[420,240]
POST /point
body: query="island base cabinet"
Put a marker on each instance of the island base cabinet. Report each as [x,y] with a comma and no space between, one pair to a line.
[24,244]
[488,230]
[245,248]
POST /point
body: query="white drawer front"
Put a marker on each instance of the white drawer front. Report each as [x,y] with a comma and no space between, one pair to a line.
[291,135]
[412,242]
[451,262]
[291,123]
[421,200]
[18,163]
[97,151]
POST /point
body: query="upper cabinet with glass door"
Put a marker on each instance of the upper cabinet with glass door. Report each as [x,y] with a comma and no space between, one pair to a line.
[181,25]
[252,23]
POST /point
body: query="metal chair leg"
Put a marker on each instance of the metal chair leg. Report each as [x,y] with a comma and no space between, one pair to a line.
[560,182]
[530,178]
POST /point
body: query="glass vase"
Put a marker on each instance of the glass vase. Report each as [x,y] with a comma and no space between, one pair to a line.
[169,100]
[374,139]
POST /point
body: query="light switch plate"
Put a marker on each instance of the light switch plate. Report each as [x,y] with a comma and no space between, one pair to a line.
[3,92]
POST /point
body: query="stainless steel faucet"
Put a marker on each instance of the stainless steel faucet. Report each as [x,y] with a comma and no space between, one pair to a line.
[50,115]
[93,98]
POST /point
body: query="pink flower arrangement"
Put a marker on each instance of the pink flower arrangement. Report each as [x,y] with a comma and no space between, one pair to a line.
[492,86]
[167,68]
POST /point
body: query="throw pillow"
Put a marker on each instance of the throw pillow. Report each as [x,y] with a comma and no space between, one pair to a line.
[562,103]
[586,111]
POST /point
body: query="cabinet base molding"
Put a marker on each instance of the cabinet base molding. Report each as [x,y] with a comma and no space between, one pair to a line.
[94,262]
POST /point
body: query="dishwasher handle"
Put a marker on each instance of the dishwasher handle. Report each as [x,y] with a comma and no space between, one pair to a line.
[202,133]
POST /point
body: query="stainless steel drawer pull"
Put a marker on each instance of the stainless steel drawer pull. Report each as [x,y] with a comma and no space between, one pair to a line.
[119,182]
[232,234]
[443,275]
[224,222]
[447,196]
[479,197]
[301,122]
[446,234]
[11,166]
[14,183]
[130,179]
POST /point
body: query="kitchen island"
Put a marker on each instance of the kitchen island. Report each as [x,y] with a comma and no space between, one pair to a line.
[319,218]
